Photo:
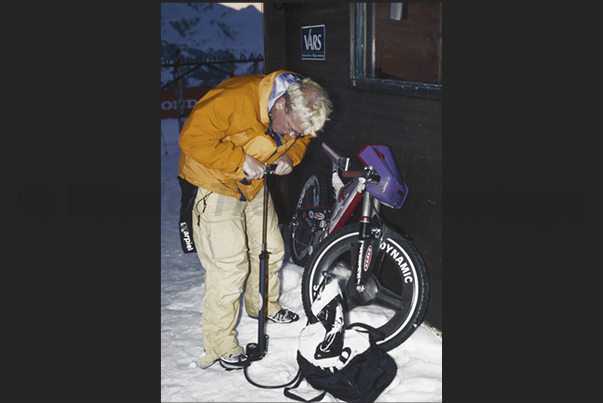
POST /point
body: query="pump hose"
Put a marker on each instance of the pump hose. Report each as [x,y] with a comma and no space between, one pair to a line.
[270,386]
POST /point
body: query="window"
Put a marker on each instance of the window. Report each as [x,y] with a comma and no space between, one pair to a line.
[397,48]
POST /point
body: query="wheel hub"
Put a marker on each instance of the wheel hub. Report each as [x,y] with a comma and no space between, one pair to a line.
[362,294]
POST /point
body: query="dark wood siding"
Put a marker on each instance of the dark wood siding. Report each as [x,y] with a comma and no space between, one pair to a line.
[411,126]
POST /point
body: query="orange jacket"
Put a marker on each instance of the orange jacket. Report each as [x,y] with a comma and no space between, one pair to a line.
[229,122]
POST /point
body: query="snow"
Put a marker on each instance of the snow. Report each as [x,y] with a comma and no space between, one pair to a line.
[238,6]
[419,359]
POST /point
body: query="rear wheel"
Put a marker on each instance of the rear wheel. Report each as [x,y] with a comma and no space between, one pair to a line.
[395,297]
[309,218]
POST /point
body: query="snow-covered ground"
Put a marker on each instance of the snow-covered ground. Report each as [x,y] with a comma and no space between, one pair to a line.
[419,359]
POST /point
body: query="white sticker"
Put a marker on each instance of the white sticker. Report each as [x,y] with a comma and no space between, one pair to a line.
[260,301]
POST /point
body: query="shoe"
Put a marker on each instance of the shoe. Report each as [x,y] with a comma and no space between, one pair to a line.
[234,361]
[282,316]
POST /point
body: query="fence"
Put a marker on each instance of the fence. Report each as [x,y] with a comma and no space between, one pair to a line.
[210,61]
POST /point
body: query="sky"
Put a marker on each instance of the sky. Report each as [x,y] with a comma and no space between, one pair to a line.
[238,6]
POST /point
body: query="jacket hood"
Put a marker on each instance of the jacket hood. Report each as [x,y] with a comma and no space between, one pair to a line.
[276,85]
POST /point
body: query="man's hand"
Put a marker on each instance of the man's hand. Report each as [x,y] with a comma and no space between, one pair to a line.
[252,168]
[284,165]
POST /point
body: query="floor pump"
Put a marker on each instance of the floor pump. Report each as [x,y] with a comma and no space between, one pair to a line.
[256,351]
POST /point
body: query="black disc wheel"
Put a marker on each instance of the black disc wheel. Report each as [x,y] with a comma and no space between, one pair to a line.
[395,297]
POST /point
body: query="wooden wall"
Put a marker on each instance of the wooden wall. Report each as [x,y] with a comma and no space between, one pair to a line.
[411,126]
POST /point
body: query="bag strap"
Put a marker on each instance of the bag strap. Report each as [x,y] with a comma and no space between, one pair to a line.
[321,286]
[287,392]
[298,378]
[374,334]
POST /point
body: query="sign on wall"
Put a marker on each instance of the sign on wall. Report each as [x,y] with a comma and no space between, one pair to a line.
[313,42]
[190,97]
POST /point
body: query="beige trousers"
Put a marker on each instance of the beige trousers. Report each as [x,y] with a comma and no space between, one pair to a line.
[228,237]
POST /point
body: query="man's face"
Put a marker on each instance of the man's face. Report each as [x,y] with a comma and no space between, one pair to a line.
[284,123]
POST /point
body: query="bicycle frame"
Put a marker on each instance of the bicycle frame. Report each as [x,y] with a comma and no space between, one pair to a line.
[371,186]
[347,197]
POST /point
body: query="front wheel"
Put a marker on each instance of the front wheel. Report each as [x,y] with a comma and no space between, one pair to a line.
[396,295]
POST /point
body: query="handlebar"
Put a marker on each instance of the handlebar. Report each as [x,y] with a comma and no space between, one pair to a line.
[367,173]
[351,174]
[337,158]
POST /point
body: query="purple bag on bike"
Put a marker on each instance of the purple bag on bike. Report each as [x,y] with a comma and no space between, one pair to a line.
[391,189]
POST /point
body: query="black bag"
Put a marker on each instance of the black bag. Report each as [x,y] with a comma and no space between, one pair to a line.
[361,380]
[189,192]
[346,363]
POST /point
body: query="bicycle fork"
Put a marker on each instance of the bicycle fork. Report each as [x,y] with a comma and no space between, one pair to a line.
[361,289]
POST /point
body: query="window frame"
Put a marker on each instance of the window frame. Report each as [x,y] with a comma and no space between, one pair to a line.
[358,50]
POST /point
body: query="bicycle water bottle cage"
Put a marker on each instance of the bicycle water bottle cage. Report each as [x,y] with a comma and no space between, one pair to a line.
[391,189]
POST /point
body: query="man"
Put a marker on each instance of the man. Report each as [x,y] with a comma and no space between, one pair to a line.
[232,132]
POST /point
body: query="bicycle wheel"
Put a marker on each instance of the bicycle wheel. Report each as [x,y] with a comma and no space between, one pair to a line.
[309,219]
[396,295]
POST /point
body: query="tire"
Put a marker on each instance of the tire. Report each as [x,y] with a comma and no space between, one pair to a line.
[305,229]
[399,275]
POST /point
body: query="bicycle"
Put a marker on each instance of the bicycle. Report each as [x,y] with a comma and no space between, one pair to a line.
[379,269]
